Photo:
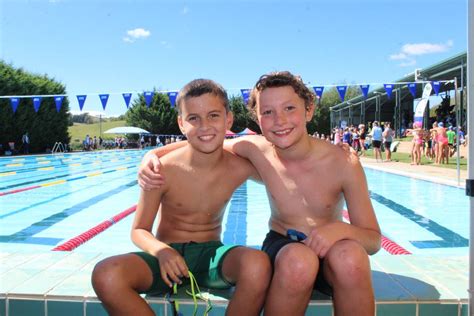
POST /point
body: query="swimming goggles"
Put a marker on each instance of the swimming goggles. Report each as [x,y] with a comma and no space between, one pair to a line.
[195,293]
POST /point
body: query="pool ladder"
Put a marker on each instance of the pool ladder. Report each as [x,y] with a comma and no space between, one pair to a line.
[58,148]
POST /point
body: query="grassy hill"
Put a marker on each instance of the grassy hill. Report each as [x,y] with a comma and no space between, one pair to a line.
[79,131]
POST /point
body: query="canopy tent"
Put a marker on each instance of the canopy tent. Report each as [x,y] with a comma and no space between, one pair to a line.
[126,130]
[230,133]
[247,131]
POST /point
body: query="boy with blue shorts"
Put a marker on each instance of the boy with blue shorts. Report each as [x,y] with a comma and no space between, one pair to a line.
[189,209]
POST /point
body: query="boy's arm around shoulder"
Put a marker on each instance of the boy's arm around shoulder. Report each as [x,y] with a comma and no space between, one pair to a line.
[364,226]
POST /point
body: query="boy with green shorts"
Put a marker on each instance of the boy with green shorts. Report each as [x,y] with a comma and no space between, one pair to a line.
[189,209]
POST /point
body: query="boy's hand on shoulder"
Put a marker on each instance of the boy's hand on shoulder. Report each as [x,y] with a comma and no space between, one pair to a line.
[348,149]
[172,266]
[149,176]
[322,238]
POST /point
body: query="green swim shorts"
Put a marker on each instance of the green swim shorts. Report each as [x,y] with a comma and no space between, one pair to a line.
[204,260]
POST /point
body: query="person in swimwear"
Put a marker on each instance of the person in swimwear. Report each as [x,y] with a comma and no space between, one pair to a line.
[417,141]
[442,141]
[189,209]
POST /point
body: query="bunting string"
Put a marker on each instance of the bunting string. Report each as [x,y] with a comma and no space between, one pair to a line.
[245,93]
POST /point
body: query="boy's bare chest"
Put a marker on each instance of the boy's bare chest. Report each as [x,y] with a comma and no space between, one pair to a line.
[200,193]
[309,190]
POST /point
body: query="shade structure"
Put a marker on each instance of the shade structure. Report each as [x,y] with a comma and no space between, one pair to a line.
[126,130]
[229,133]
[247,131]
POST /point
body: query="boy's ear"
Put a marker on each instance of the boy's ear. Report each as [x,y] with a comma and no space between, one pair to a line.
[309,111]
[180,124]
[229,120]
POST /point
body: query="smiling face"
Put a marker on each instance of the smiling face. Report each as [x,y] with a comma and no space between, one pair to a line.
[282,116]
[204,120]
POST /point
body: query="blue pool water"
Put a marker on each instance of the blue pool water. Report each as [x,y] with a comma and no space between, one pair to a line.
[48,200]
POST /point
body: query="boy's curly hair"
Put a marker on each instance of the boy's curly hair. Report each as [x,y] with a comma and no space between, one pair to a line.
[280,79]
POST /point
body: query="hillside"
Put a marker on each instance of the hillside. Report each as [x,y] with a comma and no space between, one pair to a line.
[79,131]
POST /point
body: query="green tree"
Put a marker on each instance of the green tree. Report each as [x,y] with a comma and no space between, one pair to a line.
[46,126]
[242,117]
[158,118]
[321,119]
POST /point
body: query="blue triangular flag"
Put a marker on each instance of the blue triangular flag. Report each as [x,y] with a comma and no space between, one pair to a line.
[14,103]
[245,95]
[172,96]
[59,102]
[81,99]
[104,98]
[342,91]
[318,91]
[36,103]
[388,88]
[436,86]
[412,88]
[127,97]
[365,89]
[148,98]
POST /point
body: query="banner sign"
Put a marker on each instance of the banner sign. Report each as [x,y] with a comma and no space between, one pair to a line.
[104,98]
[365,89]
[148,98]
[127,97]
[420,107]
[319,91]
[245,95]
[14,103]
[412,88]
[388,88]
[81,99]
[172,95]
[36,103]
[59,102]
[342,91]
[435,86]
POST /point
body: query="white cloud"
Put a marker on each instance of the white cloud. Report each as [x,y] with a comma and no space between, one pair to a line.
[138,33]
[426,48]
[410,50]
[185,10]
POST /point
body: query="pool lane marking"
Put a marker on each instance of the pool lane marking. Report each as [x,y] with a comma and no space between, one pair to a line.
[80,239]
[448,238]
[236,224]
[59,182]
[85,161]
[55,177]
[27,235]
[388,245]
[7,174]
[31,206]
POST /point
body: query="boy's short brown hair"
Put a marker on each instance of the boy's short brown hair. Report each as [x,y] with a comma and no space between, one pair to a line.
[281,79]
[199,87]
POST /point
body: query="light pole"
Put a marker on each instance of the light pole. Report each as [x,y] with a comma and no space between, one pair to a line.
[377,105]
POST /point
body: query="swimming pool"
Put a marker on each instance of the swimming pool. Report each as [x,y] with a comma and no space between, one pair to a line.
[64,200]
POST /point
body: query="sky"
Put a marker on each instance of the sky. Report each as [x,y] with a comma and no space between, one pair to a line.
[99,46]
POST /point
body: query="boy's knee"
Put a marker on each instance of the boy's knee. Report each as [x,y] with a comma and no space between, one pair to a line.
[106,274]
[296,266]
[256,267]
[348,262]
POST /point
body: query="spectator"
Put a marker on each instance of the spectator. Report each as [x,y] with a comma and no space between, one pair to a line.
[26,143]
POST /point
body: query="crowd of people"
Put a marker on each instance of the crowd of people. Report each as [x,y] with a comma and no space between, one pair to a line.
[438,143]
